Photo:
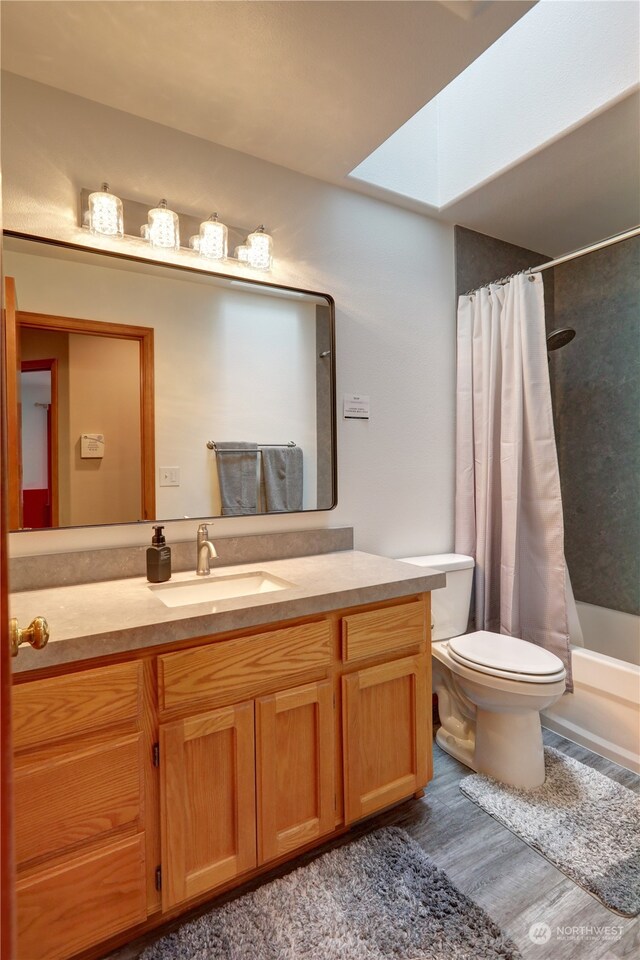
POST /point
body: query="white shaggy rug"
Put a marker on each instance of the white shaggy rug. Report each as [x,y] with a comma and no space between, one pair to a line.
[378,898]
[586,824]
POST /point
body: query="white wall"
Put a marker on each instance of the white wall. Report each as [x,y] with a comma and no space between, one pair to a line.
[390,271]
[35,474]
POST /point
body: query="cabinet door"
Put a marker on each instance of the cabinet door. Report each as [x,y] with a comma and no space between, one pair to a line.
[295,767]
[385,735]
[207,801]
[80,901]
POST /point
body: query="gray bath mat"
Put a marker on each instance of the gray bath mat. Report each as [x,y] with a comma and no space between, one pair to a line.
[379,897]
[586,824]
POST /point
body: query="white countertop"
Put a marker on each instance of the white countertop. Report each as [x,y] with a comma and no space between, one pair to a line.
[116,616]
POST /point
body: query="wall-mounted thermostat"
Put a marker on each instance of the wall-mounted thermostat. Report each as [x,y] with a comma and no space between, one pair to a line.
[92,446]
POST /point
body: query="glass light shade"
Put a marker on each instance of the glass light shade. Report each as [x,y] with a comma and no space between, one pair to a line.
[164,230]
[194,242]
[105,213]
[260,249]
[242,253]
[144,231]
[213,238]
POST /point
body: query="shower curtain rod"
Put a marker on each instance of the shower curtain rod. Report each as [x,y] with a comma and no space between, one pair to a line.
[616,238]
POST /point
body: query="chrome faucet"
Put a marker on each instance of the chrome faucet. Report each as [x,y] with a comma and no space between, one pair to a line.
[206,551]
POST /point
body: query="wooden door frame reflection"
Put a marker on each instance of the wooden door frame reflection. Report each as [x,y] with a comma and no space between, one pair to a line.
[144,337]
[50,364]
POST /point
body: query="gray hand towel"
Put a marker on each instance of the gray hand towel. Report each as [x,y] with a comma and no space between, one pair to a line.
[238,477]
[282,472]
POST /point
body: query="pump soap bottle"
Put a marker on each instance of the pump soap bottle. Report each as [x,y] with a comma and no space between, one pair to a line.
[158,558]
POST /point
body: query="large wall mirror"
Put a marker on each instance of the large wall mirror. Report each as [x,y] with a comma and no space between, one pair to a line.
[144,391]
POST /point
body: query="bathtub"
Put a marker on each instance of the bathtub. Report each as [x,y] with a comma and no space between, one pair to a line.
[603,713]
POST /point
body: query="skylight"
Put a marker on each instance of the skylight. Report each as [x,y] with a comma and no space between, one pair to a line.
[558,66]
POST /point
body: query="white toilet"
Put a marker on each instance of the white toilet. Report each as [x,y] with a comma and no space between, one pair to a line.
[491,688]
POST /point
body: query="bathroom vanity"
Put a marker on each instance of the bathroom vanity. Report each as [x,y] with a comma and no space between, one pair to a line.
[165,754]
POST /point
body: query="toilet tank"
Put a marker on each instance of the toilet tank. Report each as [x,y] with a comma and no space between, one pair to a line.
[450,604]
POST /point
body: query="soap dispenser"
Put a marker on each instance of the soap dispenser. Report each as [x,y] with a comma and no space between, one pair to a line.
[158,558]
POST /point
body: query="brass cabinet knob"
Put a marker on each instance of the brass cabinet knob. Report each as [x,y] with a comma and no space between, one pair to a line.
[37,634]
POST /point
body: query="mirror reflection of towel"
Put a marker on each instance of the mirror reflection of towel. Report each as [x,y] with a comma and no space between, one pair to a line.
[282,474]
[237,474]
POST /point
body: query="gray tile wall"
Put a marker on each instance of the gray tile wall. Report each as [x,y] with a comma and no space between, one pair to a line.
[596,381]
[481,259]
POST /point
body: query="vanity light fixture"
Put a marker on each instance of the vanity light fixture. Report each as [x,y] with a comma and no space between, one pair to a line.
[109,216]
[164,228]
[260,249]
[213,238]
[105,213]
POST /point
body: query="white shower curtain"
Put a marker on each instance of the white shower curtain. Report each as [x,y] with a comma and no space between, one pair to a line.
[508,504]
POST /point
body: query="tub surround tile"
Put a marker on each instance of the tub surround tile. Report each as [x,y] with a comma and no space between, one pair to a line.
[481,259]
[113,617]
[117,563]
[597,396]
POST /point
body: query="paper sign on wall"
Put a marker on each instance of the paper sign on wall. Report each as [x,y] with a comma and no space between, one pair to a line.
[356,407]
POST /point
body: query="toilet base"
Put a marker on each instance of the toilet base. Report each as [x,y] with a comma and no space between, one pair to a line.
[462,750]
[509,747]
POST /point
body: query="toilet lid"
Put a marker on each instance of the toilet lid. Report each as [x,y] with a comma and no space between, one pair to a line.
[496,653]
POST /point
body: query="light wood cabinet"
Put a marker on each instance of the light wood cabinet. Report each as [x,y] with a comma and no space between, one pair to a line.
[295,768]
[207,801]
[384,735]
[241,668]
[79,809]
[82,803]
[77,903]
[144,786]
[385,632]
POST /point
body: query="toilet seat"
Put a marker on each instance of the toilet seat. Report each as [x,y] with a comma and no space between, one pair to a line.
[501,656]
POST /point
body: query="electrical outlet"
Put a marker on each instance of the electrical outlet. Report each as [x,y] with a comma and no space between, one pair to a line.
[169,476]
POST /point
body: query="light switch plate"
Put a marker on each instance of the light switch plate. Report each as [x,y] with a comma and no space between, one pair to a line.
[169,476]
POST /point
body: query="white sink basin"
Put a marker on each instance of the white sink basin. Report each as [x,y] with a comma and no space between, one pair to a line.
[205,589]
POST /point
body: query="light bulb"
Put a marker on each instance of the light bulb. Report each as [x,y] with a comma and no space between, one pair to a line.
[260,249]
[164,230]
[242,252]
[105,213]
[213,238]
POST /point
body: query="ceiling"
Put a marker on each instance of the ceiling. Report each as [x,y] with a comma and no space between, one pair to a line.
[311,85]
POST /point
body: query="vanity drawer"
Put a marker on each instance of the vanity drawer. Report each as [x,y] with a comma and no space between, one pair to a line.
[233,670]
[76,704]
[78,796]
[79,903]
[378,632]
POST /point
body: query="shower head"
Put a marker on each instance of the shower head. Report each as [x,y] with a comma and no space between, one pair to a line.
[559,338]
